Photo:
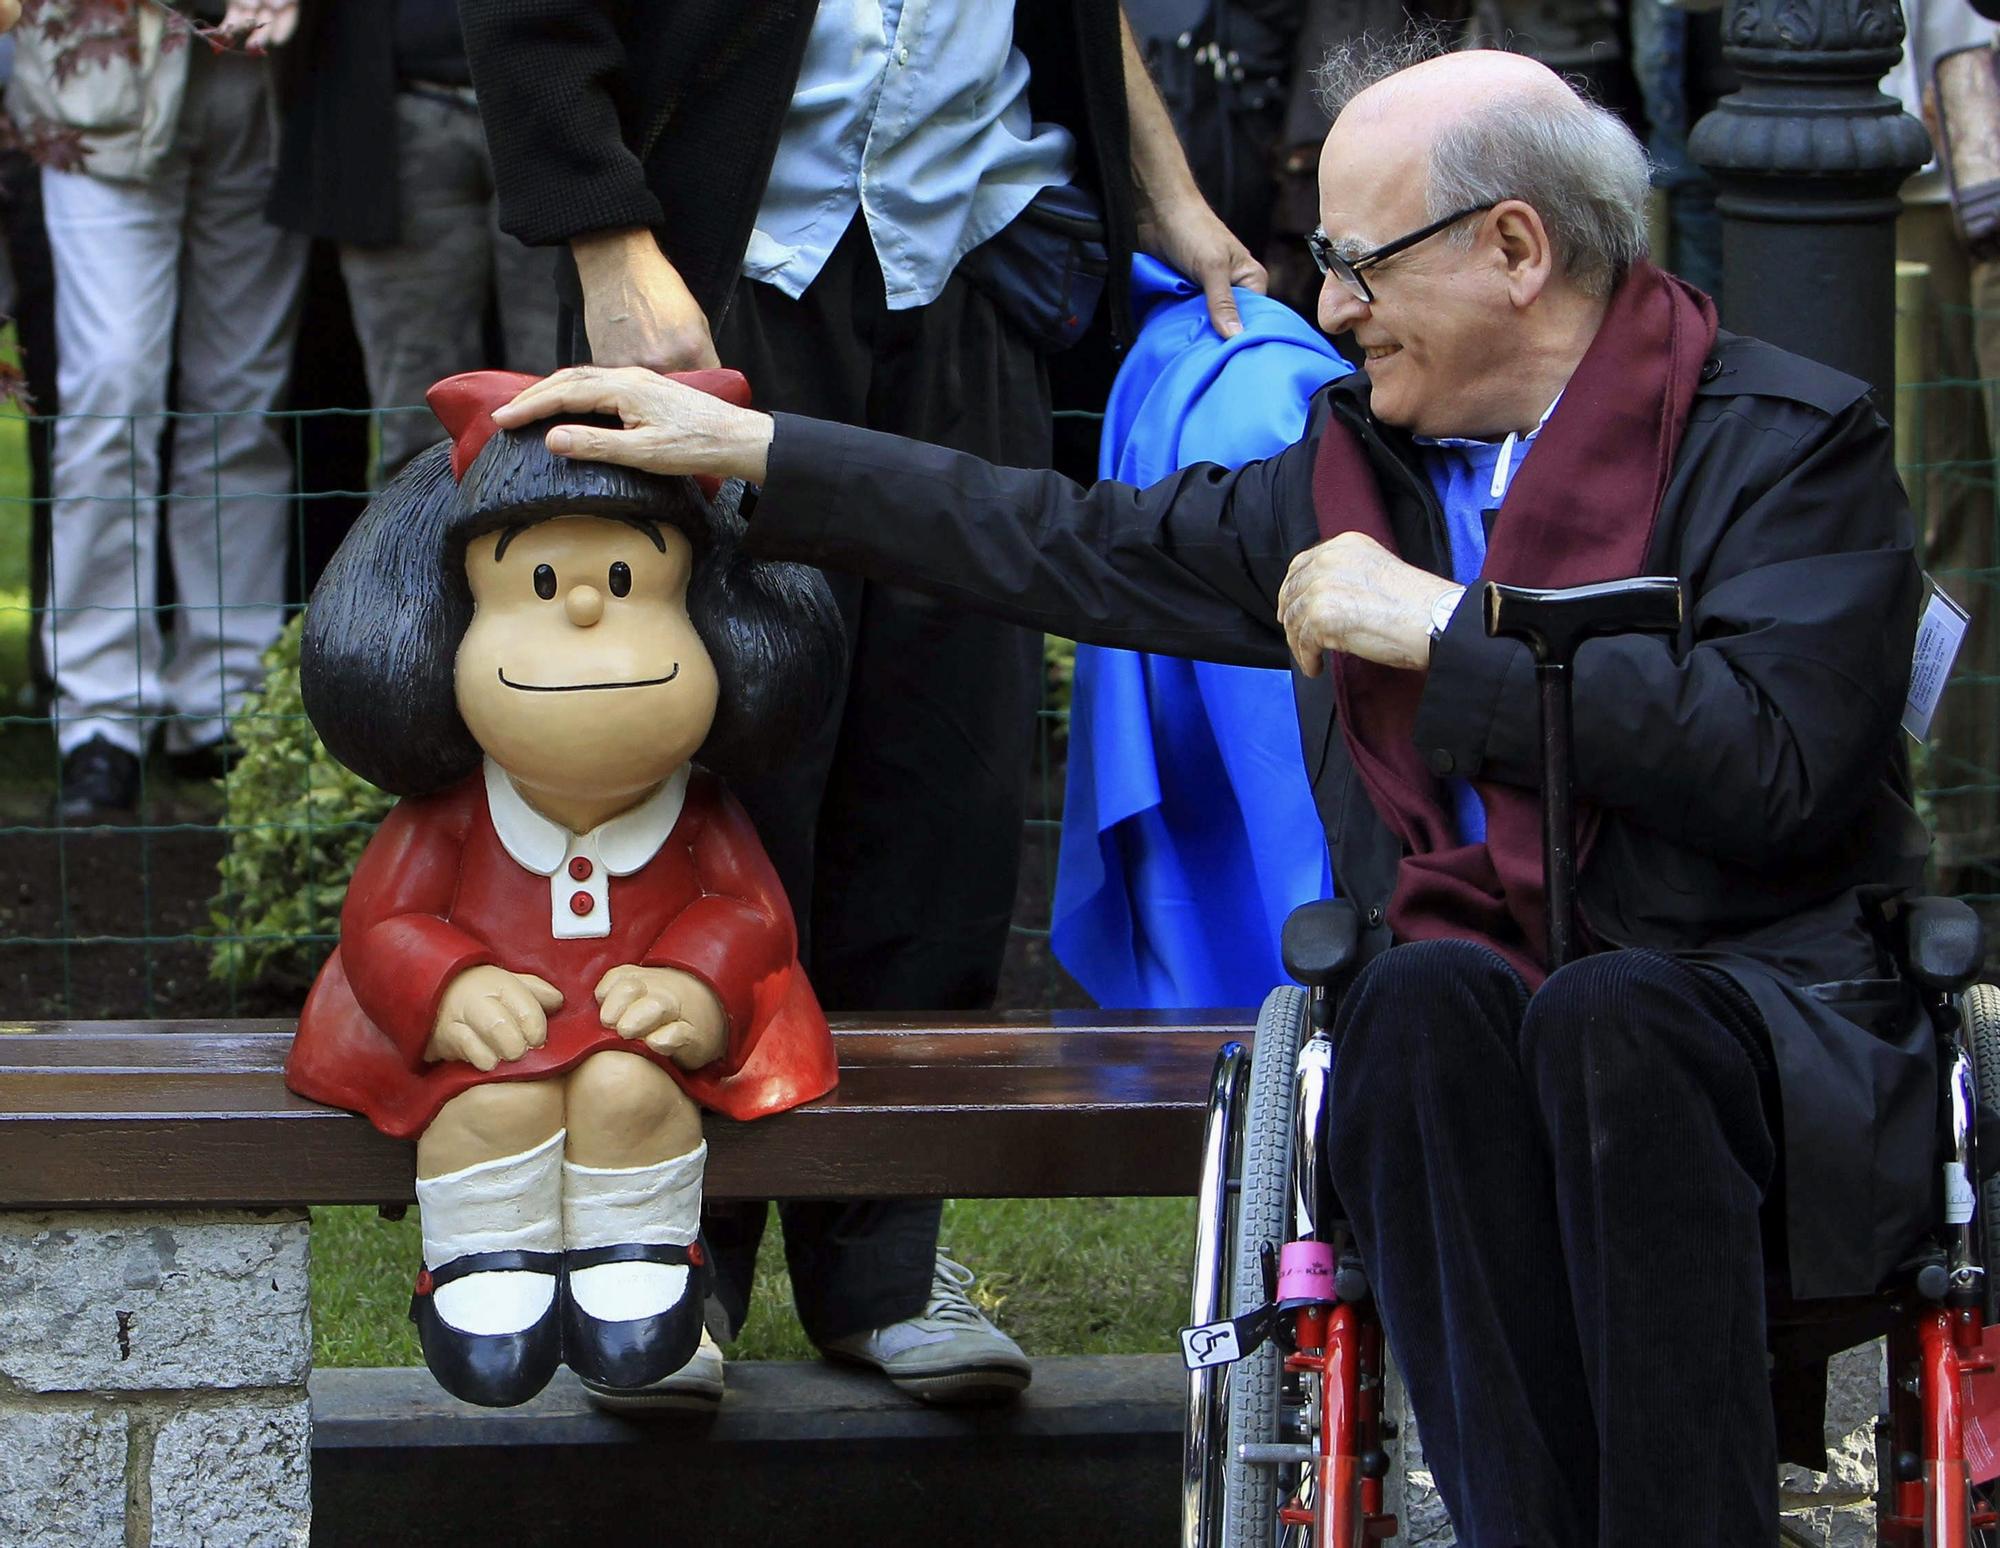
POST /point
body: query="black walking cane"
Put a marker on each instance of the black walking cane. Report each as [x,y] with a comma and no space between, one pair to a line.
[1553,624]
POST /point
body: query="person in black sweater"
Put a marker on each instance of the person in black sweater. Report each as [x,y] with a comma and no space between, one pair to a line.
[855,174]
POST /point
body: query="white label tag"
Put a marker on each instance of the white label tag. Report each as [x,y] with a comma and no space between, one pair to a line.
[1213,1343]
[1958,1195]
[1939,634]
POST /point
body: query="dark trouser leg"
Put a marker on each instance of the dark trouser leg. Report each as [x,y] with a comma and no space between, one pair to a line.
[898,836]
[1565,1241]
[1440,1163]
[1646,1071]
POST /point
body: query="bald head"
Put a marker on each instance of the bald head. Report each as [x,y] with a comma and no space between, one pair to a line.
[1440,90]
[1479,126]
[1487,212]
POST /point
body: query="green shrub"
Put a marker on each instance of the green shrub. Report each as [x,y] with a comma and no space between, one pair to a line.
[1058,673]
[297,823]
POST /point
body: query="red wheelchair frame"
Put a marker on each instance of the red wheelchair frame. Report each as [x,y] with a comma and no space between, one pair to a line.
[1312,1474]
[1325,1442]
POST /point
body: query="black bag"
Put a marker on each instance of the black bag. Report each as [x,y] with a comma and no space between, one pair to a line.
[1222,68]
[1045,269]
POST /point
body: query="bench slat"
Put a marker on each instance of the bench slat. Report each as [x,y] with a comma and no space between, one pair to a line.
[123,1115]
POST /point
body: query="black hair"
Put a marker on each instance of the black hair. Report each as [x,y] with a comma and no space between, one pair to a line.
[384,624]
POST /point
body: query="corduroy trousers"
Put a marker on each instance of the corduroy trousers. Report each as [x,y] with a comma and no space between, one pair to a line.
[1557,1197]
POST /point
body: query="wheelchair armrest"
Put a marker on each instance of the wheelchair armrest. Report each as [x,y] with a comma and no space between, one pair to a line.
[1944,943]
[1320,942]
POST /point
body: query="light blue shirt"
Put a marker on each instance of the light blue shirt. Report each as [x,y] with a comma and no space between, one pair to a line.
[915,112]
[1471,479]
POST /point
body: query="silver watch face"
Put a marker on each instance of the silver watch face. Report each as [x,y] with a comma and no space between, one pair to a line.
[1442,609]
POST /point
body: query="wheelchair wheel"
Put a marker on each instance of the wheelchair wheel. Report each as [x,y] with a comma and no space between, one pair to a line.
[1251,1492]
[1981,1009]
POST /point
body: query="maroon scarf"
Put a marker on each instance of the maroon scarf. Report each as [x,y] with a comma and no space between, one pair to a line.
[1581,509]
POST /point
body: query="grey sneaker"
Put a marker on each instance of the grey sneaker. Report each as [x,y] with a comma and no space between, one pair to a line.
[948,1353]
[695,1386]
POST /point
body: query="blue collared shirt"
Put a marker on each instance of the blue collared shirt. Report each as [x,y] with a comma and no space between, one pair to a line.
[915,112]
[1471,479]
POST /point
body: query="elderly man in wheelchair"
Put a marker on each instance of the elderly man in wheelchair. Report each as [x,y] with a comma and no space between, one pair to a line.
[1566,1192]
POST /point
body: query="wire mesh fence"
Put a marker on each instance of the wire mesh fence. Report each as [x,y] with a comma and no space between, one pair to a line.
[206,896]
[220,898]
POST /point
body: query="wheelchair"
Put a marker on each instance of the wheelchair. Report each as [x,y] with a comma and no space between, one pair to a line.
[1289,1433]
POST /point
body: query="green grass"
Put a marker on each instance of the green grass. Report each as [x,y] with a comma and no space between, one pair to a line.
[1064,1276]
[14,528]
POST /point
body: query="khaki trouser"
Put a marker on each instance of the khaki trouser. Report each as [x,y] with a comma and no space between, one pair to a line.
[420,306]
[178,269]
[1954,415]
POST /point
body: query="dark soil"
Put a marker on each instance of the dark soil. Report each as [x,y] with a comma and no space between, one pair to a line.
[104,922]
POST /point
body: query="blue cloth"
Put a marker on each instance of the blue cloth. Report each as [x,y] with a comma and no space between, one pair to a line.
[1189,831]
[914,112]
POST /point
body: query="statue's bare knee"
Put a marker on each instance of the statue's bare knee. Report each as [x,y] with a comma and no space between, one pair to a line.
[624,1110]
[501,1118]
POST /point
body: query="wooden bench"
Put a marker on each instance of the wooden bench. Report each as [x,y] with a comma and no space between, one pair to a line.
[152,1178]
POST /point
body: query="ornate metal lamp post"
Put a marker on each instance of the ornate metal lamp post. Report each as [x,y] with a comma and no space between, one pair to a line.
[1807,158]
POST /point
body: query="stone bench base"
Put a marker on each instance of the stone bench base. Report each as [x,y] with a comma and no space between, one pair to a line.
[153,1390]
[153,1380]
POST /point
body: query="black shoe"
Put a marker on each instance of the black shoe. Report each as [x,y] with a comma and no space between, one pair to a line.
[494,1370]
[640,1351]
[210,761]
[99,783]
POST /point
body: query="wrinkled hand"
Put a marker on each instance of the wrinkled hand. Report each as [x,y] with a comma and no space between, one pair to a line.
[490,1015]
[261,24]
[669,426]
[1351,594]
[1191,237]
[675,1013]
[637,311]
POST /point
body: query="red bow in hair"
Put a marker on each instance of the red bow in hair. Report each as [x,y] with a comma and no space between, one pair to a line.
[464,405]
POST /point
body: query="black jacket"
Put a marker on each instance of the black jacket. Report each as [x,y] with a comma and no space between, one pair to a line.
[1749,774]
[604,116]
[337,143]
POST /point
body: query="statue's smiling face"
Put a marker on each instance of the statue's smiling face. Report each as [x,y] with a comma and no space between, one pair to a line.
[580,671]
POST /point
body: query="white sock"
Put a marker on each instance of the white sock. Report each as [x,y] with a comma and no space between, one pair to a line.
[513,1204]
[608,1206]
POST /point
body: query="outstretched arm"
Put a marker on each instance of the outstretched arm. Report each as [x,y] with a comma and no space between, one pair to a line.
[1188,567]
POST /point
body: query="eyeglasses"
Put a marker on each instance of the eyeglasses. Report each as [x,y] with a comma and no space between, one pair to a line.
[1348,270]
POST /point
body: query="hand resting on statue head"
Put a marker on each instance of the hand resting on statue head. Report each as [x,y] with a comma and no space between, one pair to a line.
[674,1012]
[489,1015]
[668,427]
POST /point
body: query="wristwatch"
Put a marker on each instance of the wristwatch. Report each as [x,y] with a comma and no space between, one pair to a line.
[1441,611]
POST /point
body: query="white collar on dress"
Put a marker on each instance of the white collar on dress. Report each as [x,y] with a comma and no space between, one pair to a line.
[624,843]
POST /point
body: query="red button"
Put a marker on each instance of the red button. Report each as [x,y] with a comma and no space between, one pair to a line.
[579,903]
[579,868]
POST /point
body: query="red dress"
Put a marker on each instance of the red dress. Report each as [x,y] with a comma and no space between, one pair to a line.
[438,891]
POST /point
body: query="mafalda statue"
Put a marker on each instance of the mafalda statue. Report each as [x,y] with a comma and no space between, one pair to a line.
[566,940]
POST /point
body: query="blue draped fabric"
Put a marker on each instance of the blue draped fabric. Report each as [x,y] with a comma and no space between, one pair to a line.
[1188,829]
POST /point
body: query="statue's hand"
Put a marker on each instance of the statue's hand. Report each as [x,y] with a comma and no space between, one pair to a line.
[674,1012]
[490,1015]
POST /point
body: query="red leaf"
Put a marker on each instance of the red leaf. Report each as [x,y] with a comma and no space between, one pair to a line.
[49,144]
[14,386]
[102,49]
